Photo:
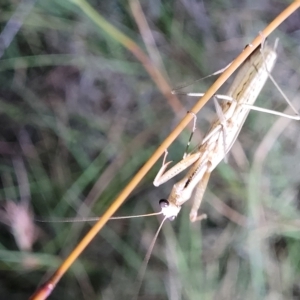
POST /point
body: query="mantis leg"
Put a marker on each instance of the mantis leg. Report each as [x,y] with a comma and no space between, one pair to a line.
[163,176]
[200,189]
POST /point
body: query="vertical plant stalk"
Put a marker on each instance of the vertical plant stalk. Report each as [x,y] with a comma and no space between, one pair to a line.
[129,44]
[45,290]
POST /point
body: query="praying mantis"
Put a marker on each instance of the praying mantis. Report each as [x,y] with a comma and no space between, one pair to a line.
[218,141]
[236,105]
[169,209]
[221,136]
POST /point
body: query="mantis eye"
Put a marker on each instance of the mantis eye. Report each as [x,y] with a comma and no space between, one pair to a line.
[163,203]
[169,211]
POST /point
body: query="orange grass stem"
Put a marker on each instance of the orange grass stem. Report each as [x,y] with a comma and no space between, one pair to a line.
[47,288]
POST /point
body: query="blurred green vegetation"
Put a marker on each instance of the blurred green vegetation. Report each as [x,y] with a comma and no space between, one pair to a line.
[80,115]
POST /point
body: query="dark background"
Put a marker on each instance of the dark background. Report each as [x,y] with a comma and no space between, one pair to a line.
[79,117]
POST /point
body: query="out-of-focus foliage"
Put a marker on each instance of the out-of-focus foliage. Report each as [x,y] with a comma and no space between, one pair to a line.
[80,115]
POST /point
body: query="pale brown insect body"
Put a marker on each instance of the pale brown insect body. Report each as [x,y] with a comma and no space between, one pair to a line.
[236,105]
